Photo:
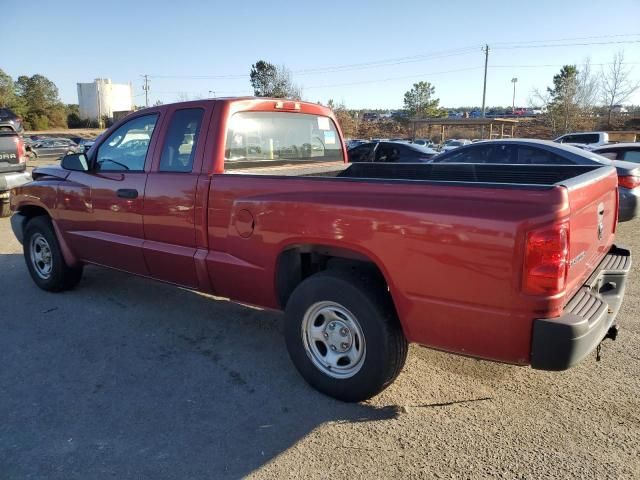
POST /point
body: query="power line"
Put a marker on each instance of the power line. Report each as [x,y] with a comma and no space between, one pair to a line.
[592,37]
[555,45]
[561,65]
[418,58]
[340,68]
[405,77]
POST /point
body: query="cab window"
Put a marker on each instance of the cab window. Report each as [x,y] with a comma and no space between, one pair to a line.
[181,141]
[258,138]
[126,148]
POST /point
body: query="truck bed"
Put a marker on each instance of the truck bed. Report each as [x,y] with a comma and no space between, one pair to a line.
[514,175]
[538,175]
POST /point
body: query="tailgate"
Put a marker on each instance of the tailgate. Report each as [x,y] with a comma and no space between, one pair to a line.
[9,155]
[593,200]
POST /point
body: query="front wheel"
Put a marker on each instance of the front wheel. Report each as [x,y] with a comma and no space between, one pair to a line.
[44,258]
[343,335]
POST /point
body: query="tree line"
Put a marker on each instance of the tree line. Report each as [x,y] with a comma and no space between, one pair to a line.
[35,99]
[570,103]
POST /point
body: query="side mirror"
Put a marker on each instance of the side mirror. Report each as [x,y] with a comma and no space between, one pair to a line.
[76,161]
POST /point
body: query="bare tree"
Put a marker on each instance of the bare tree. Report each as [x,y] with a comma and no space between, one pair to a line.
[587,88]
[544,99]
[617,84]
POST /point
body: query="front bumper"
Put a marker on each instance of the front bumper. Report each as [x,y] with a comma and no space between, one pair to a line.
[13,179]
[559,343]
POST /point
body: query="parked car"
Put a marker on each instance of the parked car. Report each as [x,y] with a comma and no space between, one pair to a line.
[364,258]
[54,147]
[425,142]
[454,143]
[543,152]
[592,139]
[629,152]
[85,144]
[13,166]
[399,152]
[9,121]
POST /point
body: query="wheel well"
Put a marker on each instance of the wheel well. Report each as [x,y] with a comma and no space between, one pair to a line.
[31,211]
[297,263]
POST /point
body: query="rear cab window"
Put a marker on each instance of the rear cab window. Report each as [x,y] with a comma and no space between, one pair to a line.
[280,139]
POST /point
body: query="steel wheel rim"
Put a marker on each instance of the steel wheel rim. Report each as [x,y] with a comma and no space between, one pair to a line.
[41,257]
[333,340]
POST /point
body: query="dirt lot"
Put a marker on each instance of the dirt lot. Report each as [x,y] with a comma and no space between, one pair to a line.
[128,378]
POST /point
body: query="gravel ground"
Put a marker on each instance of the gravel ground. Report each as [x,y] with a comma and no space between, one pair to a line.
[128,378]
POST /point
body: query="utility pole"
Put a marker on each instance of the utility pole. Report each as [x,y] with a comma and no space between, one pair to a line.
[145,87]
[485,49]
[514,80]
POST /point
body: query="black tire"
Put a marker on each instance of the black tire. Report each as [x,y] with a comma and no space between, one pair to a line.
[61,276]
[368,300]
[5,209]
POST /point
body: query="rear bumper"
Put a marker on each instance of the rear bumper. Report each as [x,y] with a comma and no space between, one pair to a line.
[13,179]
[629,205]
[559,343]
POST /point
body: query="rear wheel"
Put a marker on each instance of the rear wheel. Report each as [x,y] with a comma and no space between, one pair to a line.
[343,335]
[44,258]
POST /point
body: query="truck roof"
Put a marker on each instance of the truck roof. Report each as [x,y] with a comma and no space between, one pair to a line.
[304,107]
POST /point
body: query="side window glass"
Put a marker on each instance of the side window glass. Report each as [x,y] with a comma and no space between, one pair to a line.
[610,155]
[360,154]
[383,152]
[538,156]
[632,156]
[500,154]
[457,157]
[126,148]
[181,141]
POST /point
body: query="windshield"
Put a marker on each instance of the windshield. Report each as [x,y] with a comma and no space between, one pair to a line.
[281,137]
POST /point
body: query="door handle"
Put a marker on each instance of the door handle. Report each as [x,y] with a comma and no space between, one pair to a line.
[127,193]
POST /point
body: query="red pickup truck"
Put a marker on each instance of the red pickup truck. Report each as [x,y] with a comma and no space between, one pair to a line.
[251,199]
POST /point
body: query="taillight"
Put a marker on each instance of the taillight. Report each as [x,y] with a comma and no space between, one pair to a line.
[628,181]
[20,150]
[546,260]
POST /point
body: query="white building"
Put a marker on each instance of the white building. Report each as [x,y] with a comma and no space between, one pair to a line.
[102,98]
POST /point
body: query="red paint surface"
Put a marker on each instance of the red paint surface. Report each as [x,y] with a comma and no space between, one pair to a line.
[452,255]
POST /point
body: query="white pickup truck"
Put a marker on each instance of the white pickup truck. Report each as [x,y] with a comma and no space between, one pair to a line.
[597,139]
[591,139]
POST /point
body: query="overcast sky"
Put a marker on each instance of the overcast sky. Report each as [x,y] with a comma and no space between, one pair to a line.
[365,54]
